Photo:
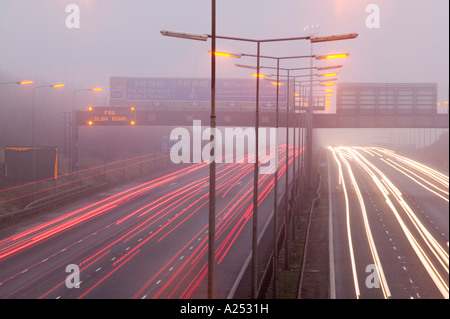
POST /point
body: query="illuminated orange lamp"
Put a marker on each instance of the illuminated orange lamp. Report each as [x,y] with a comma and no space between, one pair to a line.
[329,90]
[260,75]
[328,74]
[90,108]
[97,89]
[26,82]
[132,108]
[329,84]
[58,85]
[277,83]
[332,56]
[225,54]
[132,123]
[90,123]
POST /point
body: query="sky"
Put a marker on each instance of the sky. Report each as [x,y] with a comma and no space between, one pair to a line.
[122,38]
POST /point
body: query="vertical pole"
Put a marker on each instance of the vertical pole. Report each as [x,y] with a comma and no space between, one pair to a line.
[294,174]
[212,172]
[302,174]
[255,186]
[286,253]
[72,138]
[123,162]
[75,152]
[309,139]
[300,146]
[275,207]
[70,141]
[33,149]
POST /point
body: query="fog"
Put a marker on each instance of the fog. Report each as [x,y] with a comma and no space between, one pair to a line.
[122,38]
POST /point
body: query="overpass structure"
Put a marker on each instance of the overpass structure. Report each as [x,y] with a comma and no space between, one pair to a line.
[179,102]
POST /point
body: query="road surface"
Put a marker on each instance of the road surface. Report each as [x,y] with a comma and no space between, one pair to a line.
[389,226]
[141,240]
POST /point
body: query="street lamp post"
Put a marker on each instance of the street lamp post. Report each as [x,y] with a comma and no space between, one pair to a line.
[212,171]
[275,211]
[205,37]
[287,135]
[17,82]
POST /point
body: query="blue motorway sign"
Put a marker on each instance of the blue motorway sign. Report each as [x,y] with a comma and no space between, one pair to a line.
[199,90]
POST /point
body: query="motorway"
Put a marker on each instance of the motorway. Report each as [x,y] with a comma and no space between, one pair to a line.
[141,240]
[389,226]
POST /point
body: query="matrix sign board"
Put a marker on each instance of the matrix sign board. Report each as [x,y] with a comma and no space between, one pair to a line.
[195,93]
[111,116]
[387,98]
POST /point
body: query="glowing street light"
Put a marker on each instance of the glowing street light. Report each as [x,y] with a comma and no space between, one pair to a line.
[259,75]
[226,54]
[328,74]
[332,56]
[17,82]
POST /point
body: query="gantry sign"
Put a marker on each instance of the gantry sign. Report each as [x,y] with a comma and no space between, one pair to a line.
[111,116]
[384,105]
[179,101]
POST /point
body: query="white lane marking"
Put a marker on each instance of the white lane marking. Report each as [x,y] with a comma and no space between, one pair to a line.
[330,236]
